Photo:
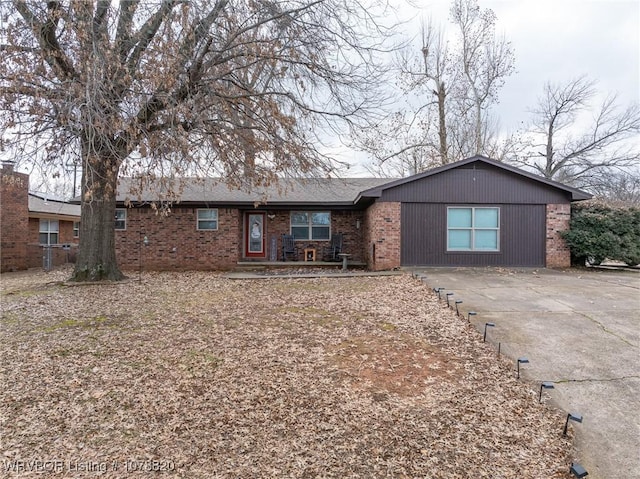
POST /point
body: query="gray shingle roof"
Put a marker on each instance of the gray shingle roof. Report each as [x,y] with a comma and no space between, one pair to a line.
[317,191]
[43,206]
[320,191]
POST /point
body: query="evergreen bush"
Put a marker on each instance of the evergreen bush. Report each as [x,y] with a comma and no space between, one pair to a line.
[600,231]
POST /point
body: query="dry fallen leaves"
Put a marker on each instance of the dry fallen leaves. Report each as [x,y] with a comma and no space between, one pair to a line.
[328,377]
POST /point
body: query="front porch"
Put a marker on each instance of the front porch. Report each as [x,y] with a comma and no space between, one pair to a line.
[271,237]
[263,265]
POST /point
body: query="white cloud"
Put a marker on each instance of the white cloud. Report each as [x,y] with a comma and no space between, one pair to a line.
[557,40]
[563,39]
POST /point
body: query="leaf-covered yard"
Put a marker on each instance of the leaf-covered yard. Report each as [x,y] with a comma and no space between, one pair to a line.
[209,377]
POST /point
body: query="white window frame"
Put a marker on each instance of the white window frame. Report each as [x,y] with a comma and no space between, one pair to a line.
[49,231]
[309,225]
[121,217]
[473,229]
[76,229]
[199,220]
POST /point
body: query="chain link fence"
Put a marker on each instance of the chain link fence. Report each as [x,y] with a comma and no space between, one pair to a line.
[51,256]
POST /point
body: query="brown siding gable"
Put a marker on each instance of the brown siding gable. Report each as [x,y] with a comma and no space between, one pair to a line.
[414,188]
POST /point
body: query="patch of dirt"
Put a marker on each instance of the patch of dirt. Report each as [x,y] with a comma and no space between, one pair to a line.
[397,364]
[361,377]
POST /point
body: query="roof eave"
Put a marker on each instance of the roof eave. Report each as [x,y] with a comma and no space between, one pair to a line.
[579,195]
[50,215]
[250,204]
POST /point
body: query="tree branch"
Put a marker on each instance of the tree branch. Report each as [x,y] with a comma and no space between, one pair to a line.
[123,42]
[99,19]
[46,36]
[33,92]
[147,32]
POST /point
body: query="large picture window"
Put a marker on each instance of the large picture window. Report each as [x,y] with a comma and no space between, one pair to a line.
[473,229]
[208,219]
[49,230]
[311,225]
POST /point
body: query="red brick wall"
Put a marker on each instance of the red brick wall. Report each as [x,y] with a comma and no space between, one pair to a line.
[175,243]
[60,256]
[351,225]
[382,235]
[65,231]
[14,219]
[557,251]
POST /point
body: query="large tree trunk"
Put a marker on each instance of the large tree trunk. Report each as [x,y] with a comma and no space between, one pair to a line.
[442,126]
[97,257]
[479,146]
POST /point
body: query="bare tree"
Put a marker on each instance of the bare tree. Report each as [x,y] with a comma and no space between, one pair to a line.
[402,147]
[167,88]
[440,73]
[568,152]
[450,88]
[621,187]
[414,138]
[486,60]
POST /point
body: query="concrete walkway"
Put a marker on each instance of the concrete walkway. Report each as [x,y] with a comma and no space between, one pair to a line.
[579,329]
[315,274]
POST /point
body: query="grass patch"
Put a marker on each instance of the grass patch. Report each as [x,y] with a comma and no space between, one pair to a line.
[387,326]
[297,286]
[204,357]
[93,323]
[319,316]
[200,364]
[9,318]
[63,352]
[23,293]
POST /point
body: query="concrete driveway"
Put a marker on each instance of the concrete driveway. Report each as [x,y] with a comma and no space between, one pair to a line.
[579,329]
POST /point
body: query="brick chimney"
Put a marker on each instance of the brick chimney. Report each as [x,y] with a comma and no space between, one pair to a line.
[7,165]
[14,218]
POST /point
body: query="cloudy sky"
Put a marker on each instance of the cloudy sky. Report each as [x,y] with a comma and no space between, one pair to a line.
[556,40]
[553,40]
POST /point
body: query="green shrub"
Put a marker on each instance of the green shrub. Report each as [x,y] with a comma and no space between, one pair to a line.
[599,231]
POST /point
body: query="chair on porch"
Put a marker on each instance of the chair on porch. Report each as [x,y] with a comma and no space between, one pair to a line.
[289,247]
[332,251]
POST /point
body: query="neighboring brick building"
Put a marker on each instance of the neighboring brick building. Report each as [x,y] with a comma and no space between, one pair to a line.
[33,227]
[475,212]
[14,218]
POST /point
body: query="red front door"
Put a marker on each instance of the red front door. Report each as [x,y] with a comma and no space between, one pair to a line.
[254,235]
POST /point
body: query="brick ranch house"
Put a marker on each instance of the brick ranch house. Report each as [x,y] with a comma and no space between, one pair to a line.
[475,212]
[32,225]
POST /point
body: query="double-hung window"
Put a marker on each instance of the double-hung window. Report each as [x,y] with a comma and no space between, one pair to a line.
[121,219]
[208,219]
[311,225]
[76,229]
[49,230]
[473,229]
